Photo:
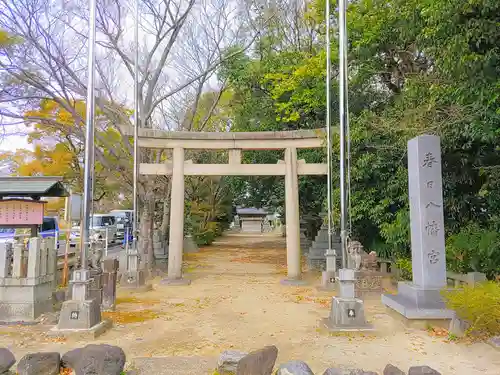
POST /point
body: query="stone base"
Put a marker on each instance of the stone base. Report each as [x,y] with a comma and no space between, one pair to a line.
[80,320]
[82,334]
[414,302]
[25,303]
[347,314]
[175,282]
[328,281]
[293,282]
[134,280]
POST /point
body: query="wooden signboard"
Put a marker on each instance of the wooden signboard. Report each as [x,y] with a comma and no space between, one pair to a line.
[19,212]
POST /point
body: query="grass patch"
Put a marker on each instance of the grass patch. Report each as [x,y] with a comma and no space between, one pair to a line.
[135,300]
[131,317]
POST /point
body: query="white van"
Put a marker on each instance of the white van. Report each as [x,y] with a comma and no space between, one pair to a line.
[99,225]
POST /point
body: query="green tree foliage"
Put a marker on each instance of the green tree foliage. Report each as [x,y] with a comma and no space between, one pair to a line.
[415,67]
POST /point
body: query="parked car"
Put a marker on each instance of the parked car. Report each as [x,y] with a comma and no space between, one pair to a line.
[99,224]
[7,235]
[49,228]
[123,222]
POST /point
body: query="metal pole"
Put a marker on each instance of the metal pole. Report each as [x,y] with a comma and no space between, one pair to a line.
[343,125]
[136,124]
[328,127]
[67,217]
[89,140]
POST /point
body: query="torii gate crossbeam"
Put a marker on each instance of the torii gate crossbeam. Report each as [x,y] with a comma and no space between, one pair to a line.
[291,168]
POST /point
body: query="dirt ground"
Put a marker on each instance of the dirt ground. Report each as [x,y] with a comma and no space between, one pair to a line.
[236,302]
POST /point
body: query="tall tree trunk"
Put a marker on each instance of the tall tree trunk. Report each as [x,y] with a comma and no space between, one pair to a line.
[146,232]
[166,213]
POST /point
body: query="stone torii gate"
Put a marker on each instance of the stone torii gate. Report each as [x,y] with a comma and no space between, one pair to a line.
[291,168]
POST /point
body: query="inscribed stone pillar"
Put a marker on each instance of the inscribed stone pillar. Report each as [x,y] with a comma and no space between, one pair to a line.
[426,212]
[176,216]
[292,214]
[421,299]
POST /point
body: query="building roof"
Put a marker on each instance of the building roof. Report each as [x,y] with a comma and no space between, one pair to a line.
[34,187]
[251,211]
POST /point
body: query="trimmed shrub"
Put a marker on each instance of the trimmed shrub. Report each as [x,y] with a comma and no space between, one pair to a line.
[479,305]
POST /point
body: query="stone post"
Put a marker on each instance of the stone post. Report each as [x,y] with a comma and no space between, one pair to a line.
[110,268]
[426,212]
[175,247]
[422,298]
[51,245]
[34,258]
[5,259]
[292,218]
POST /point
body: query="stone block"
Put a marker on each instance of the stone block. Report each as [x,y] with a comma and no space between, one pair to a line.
[422,370]
[109,284]
[69,359]
[366,283]
[228,362]
[99,359]
[39,364]
[392,370]
[7,360]
[133,279]
[258,362]
[458,327]
[294,368]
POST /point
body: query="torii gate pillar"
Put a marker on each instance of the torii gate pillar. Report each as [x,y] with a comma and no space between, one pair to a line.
[176,244]
[292,218]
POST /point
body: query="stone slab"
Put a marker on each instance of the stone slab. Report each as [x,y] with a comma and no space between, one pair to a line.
[410,310]
[82,334]
[172,366]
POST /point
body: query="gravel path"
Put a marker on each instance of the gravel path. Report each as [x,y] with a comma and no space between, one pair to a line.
[236,302]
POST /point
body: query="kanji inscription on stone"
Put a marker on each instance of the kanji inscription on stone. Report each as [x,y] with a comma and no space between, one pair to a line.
[426,212]
[429,160]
